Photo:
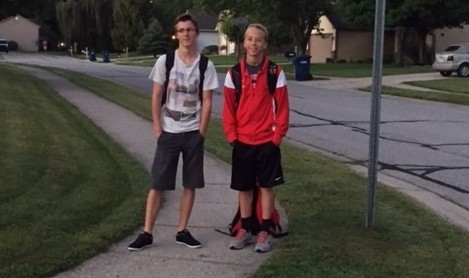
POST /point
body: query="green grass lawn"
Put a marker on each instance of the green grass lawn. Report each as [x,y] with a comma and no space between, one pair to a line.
[451,84]
[352,70]
[325,203]
[67,191]
[450,91]
[448,97]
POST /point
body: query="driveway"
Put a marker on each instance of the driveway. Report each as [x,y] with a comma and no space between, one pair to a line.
[421,142]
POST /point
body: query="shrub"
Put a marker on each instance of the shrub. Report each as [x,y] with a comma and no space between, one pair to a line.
[154,40]
[210,49]
[12,45]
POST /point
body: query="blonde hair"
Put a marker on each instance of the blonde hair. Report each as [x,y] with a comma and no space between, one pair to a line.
[260,27]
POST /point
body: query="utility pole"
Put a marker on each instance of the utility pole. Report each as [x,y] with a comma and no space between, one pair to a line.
[375,110]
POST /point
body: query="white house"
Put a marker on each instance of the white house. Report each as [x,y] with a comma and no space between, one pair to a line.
[21,30]
[208,34]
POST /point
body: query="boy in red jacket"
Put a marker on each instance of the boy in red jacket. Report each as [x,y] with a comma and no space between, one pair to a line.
[255,121]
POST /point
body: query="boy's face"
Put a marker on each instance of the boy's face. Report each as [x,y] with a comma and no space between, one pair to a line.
[186,33]
[254,42]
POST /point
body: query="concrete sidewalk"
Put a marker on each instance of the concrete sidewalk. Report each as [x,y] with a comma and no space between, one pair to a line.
[214,207]
[396,81]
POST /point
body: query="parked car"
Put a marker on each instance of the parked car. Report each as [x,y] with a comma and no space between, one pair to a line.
[4,45]
[455,58]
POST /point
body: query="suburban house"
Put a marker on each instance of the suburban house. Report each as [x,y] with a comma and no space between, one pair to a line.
[21,30]
[225,47]
[208,34]
[444,37]
[336,41]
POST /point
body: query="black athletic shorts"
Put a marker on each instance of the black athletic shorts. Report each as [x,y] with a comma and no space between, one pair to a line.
[165,163]
[253,165]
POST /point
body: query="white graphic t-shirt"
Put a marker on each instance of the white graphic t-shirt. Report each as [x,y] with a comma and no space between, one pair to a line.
[181,112]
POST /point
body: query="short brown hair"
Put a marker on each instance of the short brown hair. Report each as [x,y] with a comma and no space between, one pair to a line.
[186,17]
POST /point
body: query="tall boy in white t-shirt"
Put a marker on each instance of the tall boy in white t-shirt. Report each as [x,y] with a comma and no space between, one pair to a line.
[179,125]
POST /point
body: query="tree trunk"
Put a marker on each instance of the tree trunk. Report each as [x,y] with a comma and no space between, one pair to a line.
[422,48]
[398,38]
[299,41]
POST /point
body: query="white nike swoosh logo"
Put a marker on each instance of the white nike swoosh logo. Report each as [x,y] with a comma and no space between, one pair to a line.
[278,178]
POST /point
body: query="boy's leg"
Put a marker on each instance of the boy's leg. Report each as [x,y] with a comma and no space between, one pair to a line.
[192,178]
[244,235]
[185,208]
[270,175]
[268,200]
[264,239]
[145,239]
[152,209]
[183,236]
[245,203]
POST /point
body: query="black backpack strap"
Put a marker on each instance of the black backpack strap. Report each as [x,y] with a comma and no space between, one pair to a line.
[236,78]
[203,62]
[272,77]
[169,63]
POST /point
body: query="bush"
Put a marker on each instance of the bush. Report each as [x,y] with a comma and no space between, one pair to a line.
[154,40]
[12,45]
[210,49]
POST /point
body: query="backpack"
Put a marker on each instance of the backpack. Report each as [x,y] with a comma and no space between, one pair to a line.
[271,79]
[169,63]
[278,228]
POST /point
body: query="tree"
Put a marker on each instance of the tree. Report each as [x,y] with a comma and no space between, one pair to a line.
[299,16]
[302,16]
[425,16]
[233,28]
[87,22]
[154,40]
[127,24]
[421,17]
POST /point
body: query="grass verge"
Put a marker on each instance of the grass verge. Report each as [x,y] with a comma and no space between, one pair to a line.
[443,96]
[67,191]
[451,84]
[350,70]
[325,202]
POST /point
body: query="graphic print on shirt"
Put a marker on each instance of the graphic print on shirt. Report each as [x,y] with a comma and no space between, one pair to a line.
[183,100]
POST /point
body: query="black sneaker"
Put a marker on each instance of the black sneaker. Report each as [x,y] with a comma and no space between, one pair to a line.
[143,240]
[184,237]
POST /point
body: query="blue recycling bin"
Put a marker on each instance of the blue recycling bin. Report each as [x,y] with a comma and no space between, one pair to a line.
[301,64]
[92,56]
[106,57]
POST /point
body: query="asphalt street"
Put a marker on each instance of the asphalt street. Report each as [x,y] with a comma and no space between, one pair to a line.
[421,142]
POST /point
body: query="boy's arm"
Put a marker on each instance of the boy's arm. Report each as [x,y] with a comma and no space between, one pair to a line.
[282,117]
[156,97]
[229,117]
[206,111]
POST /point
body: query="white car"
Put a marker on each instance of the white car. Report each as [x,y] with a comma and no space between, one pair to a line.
[455,58]
[4,45]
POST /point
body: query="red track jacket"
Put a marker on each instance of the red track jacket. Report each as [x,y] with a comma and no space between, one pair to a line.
[259,118]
